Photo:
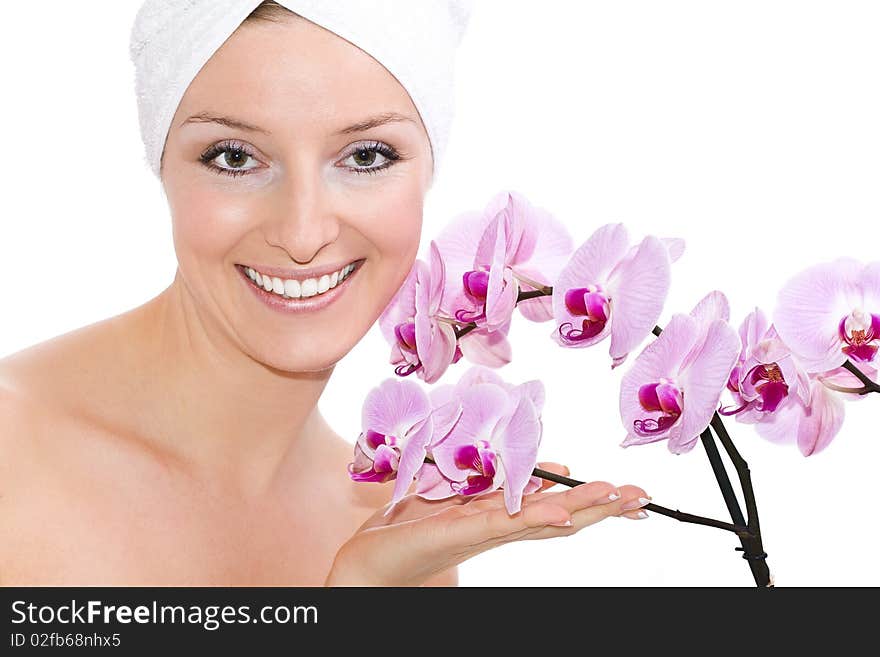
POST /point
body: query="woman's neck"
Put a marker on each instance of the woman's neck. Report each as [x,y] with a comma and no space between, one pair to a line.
[227,416]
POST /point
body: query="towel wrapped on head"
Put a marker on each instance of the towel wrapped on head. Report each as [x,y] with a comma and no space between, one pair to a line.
[415,40]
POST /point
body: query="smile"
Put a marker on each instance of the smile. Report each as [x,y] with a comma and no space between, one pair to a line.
[290,294]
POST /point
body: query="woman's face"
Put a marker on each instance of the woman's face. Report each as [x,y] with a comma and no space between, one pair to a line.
[302,189]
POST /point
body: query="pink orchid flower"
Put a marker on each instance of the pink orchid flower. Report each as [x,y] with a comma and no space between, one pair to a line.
[397,426]
[766,376]
[493,444]
[610,288]
[831,312]
[399,422]
[674,386]
[421,341]
[510,246]
[813,426]
[431,484]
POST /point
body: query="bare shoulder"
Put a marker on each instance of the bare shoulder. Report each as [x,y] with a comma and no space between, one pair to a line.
[21,418]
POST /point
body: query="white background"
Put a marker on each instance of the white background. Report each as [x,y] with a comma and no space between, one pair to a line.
[748,128]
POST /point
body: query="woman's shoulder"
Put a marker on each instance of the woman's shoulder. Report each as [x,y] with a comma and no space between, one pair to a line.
[40,390]
[48,377]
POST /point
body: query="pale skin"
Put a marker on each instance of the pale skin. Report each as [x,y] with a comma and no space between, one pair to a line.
[180,443]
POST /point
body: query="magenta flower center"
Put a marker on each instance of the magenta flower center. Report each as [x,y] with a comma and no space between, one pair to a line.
[480,458]
[386,457]
[861,333]
[770,384]
[405,332]
[476,283]
[765,381]
[593,305]
[476,286]
[663,397]
[406,335]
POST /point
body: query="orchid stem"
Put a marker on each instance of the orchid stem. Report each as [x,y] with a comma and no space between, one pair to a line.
[752,548]
[869,386]
[656,508]
[464,329]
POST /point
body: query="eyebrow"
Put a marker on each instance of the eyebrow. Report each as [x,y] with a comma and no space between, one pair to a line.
[360,126]
[374,122]
[204,117]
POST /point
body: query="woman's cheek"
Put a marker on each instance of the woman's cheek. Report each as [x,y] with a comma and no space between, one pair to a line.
[208,225]
[396,234]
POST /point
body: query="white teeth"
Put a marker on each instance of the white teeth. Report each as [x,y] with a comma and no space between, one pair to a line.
[309,287]
[295,289]
[292,288]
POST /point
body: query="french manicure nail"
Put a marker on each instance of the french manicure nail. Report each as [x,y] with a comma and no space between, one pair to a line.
[614,496]
[635,504]
[641,514]
[565,523]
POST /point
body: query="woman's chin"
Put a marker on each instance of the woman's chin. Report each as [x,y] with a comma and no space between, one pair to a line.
[315,360]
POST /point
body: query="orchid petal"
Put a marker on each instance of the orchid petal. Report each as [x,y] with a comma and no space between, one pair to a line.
[401,307]
[674,247]
[781,426]
[638,293]
[437,273]
[809,309]
[445,416]
[705,380]
[711,307]
[483,404]
[394,407]
[484,348]
[412,456]
[822,421]
[457,244]
[431,484]
[660,358]
[519,451]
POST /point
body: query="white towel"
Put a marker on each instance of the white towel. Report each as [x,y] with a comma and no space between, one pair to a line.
[415,40]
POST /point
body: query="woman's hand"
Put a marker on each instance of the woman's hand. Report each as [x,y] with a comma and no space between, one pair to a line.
[421,538]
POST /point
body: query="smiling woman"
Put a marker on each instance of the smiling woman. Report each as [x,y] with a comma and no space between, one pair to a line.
[295,151]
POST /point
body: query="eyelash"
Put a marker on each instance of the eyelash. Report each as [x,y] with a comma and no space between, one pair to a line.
[208,156]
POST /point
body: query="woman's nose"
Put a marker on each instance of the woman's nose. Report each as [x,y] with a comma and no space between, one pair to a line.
[303,218]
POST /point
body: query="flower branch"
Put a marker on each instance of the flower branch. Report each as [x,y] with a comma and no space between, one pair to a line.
[482,433]
[740,530]
[867,387]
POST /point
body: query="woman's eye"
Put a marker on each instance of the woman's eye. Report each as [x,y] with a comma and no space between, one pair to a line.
[363,158]
[230,160]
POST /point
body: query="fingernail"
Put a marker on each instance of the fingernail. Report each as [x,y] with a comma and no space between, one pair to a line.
[641,514]
[614,496]
[565,523]
[635,504]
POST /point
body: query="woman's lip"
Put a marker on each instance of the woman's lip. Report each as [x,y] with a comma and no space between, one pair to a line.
[301,274]
[301,305]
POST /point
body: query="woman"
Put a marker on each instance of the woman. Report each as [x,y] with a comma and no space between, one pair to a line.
[180,443]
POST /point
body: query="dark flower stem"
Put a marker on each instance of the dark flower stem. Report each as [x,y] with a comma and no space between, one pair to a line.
[752,547]
[464,329]
[868,385]
[740,530]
